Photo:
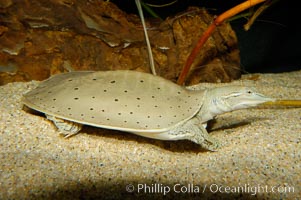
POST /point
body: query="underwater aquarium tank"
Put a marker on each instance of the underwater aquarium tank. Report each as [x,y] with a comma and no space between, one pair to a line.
[82,115]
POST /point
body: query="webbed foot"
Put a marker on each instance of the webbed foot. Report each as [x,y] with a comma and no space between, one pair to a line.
[65,127]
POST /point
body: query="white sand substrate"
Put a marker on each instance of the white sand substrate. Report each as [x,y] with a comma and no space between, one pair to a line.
[259,157]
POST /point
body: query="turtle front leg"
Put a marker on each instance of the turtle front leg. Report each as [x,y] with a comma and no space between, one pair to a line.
[193,131]
[190,130]
[65,127]
[207,141]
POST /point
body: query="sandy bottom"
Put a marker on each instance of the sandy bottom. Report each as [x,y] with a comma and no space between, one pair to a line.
[259,157]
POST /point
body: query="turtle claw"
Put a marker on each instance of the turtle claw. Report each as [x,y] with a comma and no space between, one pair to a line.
[68,134]
[211,145]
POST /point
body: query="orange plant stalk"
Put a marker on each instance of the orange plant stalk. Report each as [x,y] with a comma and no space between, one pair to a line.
[220,19]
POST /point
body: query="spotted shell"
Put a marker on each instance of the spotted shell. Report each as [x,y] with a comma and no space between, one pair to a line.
[120,100]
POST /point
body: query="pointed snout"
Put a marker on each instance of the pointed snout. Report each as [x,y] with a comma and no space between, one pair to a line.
[252,99]
[260,98]
[244,97]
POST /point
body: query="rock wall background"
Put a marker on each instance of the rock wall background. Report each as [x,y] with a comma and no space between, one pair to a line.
[39,38]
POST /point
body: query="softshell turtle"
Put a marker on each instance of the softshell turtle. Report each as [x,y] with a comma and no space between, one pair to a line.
[136,102]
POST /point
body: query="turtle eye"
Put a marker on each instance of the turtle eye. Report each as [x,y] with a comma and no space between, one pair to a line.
[249,92]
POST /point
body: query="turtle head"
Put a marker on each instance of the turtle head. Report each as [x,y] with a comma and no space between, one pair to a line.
[238,97]
[225,99]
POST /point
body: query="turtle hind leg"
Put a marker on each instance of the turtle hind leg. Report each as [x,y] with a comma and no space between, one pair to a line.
[65,127]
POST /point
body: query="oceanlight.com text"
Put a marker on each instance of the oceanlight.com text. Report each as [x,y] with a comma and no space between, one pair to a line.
[158,188]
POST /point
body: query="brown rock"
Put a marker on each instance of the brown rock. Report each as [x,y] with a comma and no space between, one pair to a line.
[40,38]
